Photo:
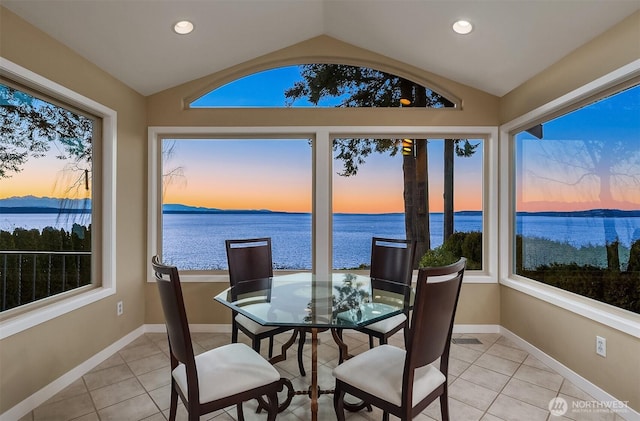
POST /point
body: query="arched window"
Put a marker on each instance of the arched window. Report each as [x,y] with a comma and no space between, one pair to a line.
[324,85]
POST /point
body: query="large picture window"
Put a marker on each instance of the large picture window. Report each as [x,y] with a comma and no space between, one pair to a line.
[47,197]
[577,213]
[219,189]
[376,181]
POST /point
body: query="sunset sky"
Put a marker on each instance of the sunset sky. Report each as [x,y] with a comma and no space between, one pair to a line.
[276,174]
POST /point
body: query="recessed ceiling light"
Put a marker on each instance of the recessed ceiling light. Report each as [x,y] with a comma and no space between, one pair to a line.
[462,27]
[183,27]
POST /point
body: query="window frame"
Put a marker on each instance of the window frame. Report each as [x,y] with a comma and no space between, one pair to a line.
[609,315]
[103,247]
[322,208]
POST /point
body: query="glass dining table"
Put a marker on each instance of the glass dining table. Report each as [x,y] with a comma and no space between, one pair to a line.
[309,303]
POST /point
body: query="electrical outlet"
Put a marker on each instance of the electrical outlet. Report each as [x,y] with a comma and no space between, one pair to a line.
[601,346]
[119,308]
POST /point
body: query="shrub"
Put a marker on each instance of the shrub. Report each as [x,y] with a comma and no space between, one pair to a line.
[472,249]
[438,256]
[460,244]
[634,257]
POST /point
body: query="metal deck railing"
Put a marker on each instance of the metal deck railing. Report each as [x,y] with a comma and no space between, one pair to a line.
[28,276]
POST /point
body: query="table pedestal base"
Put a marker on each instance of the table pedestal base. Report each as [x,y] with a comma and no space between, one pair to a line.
[314,390]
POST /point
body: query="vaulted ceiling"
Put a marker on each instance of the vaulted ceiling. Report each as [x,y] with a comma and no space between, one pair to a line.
[512,40]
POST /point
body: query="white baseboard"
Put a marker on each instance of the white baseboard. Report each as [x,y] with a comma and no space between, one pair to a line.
[161,328]
[62,382]
[597,393]
[476,328]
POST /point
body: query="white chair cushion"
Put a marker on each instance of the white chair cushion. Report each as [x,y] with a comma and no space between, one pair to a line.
[384,326]
[227,370]
[378,371]
[251,326]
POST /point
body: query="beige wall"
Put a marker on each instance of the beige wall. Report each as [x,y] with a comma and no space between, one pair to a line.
[613,49]
[32,359]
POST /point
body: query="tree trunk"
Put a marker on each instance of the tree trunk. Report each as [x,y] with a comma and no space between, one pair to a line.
[422,200]
[447,230]
[410,211]
[610,233]
[423,240]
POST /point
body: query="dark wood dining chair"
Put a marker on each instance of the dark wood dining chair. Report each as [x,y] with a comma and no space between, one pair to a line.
[391,260]
[250,259]
[404,382]
[216,379]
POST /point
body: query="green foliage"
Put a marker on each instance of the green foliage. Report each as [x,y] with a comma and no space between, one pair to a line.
[616,286]
[472,250]
[362,87]
[438,256]
[358,87]
[459,244]
[587,275]
[29,127]
[634,257]
[541,251]
[35,274]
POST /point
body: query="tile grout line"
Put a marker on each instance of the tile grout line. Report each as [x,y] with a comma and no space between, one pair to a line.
[84,382]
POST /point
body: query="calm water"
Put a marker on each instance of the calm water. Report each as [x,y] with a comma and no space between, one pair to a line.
[196,241]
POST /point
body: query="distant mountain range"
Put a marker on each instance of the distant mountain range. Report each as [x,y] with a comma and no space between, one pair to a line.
[32,204]
[178,208]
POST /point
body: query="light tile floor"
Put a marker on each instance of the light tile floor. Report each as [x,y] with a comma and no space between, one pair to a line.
[491,381]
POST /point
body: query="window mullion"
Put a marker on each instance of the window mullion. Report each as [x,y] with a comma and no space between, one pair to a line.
[322,206]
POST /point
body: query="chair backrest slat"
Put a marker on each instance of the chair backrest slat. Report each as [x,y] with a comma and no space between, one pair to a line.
[433,314]
[392,259]
[249,259]
[180,346]
[170,290]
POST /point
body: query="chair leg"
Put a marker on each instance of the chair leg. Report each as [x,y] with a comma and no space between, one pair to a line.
[193,415]
[406,335]
[240,412]
[383,340]
[444,405]
[385,416]
[338,403]
[256,345]
[173,405]
[303,338]
[270,346]
[234,332]
[370,341]
[340,356]
[272,400]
